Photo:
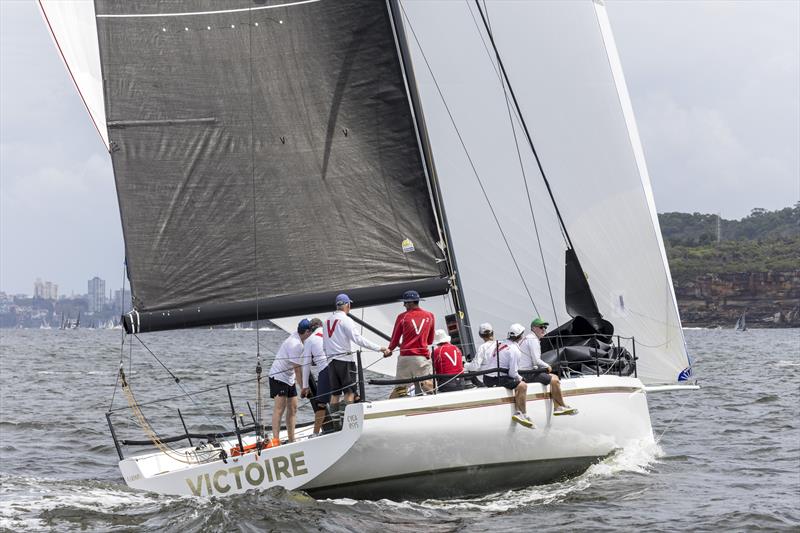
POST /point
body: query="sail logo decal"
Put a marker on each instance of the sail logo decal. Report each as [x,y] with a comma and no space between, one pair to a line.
[685,374]
[418,329]
[273,470]
[407,246]
[330,328]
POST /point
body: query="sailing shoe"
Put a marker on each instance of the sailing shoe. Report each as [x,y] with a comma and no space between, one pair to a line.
[564,410]
[522,419]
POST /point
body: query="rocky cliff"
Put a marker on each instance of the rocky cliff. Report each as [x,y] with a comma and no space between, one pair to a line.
[772,299]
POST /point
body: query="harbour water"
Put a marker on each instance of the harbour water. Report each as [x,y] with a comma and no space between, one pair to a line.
[727,458]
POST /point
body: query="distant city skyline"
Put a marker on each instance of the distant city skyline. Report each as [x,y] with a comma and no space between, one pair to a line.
[715,87]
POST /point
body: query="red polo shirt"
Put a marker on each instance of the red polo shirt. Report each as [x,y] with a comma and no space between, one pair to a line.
[416,329]
[447,359]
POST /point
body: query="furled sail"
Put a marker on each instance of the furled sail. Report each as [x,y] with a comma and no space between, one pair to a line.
[265,158]
[561,58]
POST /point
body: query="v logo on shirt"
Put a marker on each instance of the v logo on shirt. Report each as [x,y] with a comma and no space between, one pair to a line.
[330,328]
[452,358]
[417,328]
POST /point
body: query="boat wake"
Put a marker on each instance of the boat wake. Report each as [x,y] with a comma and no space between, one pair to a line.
[635,458]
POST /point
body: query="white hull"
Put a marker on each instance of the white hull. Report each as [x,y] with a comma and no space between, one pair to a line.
[427,445]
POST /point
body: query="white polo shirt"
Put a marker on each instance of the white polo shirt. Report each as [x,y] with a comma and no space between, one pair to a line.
[531,351]
[313,354]
[289,354]
[338,336]
[484,358]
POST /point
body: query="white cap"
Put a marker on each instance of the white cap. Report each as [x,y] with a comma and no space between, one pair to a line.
[440,336]
[515,330]
[485,328]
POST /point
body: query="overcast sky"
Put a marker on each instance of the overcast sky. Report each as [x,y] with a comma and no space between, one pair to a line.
[715,87]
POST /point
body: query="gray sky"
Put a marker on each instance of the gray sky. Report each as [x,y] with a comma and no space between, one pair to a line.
[715,87]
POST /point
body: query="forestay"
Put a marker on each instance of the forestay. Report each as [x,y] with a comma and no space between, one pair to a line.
[563,63]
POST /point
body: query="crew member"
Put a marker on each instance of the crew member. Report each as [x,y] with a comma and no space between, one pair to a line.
[338,335]
[447,360]
[415,326]
[532,360]
[317,391]
[508,354]
[283,374]
[485,358]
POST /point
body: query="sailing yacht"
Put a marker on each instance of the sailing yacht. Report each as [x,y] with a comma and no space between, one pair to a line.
[271,154]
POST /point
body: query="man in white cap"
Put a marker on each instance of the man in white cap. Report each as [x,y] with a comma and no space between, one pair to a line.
[508,354]
[447,361]
[532,360]
[339,333]
[485,356]
[283,374]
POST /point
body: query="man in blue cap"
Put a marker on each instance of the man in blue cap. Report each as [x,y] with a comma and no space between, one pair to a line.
[415,326]
[339,333]
[283,374]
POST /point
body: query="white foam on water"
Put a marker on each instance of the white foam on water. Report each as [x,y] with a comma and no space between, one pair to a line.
[637,456]
[784,363]
[25,498]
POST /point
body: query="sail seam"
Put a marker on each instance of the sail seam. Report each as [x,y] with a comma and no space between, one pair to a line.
[195,13]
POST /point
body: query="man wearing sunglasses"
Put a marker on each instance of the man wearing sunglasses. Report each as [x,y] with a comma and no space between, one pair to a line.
[532,360]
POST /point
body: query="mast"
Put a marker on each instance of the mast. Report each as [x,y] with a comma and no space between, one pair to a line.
[464,329]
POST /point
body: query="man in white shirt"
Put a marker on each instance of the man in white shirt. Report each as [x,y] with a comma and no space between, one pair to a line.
[283,374]
[339,333]
[508,354]
[532,360]
[485,358]
[319,392]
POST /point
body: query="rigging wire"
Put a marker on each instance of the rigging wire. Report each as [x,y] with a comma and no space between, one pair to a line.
[122,334]
[519,154]
[469,158]
[525,127]
[255,212]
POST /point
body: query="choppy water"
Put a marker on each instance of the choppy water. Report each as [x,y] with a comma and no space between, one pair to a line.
[728,457]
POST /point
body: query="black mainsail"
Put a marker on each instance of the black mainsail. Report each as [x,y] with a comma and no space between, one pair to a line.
[265,158]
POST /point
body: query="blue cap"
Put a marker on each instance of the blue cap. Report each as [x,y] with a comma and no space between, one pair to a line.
[303,326]
[410,296]
[343,299]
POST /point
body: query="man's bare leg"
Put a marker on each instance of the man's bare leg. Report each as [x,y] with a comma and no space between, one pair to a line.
[521,397]
[319,418]
[291,417]
[555,391]
[277,414]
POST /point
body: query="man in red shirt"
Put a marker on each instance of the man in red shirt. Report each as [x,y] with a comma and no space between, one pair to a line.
[447,360]
[415,327]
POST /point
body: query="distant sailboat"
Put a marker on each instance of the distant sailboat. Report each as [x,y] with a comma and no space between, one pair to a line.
[741,322]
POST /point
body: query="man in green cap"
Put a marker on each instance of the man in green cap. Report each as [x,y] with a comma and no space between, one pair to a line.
[532,360]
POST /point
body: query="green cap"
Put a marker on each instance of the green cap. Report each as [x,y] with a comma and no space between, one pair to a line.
[538,322]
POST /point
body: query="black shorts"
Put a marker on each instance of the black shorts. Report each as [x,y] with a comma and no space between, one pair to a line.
[279,388]
[321,390]
[503,381]
[540,377]
[451,384]
[342,377]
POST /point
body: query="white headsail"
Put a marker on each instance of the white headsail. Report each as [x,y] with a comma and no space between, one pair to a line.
[72,26]
[563,64]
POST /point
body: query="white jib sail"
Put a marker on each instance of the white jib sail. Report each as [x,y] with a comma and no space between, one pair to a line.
[72,26]
[562,62]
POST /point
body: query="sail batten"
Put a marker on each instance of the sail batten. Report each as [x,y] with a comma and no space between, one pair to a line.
[261,158]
